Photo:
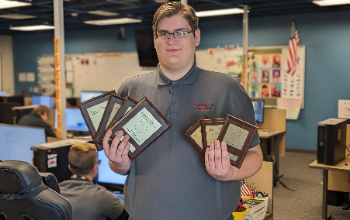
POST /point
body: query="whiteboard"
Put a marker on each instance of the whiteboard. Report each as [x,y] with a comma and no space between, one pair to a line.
[104,73]
[91,72]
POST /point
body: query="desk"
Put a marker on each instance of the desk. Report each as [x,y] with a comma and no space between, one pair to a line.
[339,167]
[276,136]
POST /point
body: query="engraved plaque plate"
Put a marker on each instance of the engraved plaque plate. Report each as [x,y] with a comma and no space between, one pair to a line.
[238,135]
[144,124]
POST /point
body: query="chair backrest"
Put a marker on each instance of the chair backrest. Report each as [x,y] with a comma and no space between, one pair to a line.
[50,180]
[23,194]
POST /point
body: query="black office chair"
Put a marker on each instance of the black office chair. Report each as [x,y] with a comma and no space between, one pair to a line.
[24,195]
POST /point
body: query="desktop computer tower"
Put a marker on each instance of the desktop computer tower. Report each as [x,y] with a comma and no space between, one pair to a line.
[53,158]
[331,141]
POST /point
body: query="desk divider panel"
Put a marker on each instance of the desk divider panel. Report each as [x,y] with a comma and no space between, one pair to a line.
[274,119]
[27,101]
[263,181]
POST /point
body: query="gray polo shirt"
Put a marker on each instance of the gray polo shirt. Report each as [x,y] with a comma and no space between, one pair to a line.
[89,201]
[168,180]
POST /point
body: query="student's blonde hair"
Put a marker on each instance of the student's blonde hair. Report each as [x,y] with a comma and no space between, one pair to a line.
[41,109]
[82,157]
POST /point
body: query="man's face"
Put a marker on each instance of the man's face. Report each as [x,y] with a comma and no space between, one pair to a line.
[175,53]
[45,116]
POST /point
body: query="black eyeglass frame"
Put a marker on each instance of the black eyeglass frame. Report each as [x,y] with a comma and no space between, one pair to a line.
[160,34]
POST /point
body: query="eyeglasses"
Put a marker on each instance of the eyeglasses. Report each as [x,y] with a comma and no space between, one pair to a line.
[176,34]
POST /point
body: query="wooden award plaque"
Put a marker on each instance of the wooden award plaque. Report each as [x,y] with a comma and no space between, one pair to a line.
[113,105]
[194,135]
[144,124]
[238,135]
[93,110]
[210,129]
[127,105]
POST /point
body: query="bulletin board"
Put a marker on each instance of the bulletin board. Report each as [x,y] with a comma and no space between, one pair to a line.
[267,70]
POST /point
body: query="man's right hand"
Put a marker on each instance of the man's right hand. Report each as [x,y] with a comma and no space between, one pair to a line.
[117,152]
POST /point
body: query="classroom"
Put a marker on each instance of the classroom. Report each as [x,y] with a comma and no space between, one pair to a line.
[296,100]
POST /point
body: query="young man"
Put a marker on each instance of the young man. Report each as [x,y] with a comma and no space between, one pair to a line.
[38,118]
[170,179]
[89,201]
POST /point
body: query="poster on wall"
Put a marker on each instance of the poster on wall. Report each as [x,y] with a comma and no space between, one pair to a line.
[293,84]
[264,75]
[269,72]
[233,62]
[254,90]
[225,60]
[46,74]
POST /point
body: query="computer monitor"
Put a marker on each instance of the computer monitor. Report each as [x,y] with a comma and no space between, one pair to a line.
[16,141]
[86,95]
[7,115]
[258,110]
[42,100]
[3,93]
[106,176]
[74,120]
[13,99]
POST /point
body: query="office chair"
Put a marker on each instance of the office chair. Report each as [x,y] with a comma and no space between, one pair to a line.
[24,195]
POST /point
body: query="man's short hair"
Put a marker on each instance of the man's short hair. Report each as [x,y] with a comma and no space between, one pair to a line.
[41,109]
[264,86]
[172,8]
[82,157]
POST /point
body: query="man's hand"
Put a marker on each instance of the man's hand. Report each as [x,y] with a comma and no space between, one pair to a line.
[217,162]
[117,152]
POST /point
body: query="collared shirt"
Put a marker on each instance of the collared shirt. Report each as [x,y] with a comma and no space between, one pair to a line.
[34,119]
[169,180]
[90,201]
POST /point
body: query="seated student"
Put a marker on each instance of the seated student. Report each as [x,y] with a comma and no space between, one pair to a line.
[89,201]
[38,118]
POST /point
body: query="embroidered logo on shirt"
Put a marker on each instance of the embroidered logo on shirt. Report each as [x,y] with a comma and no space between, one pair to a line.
[202,107]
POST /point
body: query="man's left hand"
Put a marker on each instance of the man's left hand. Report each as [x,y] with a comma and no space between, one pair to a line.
[217,162]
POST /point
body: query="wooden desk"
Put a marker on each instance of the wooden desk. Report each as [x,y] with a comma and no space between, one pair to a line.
[343,166]
[276,136]
[263,181]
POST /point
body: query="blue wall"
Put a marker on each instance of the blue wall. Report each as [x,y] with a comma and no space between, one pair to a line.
[325,35]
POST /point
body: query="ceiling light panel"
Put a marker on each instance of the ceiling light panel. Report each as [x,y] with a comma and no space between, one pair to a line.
[103,13]
[114,21]
[331,2]
[220,12]
[12,4]
[17,16]
[32,28]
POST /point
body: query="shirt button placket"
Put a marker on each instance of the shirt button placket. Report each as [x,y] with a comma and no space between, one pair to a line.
[173,99]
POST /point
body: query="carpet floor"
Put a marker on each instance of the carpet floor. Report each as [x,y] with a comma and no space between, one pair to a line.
[305,202]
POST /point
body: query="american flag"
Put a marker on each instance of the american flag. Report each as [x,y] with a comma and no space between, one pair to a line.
[245,191]
[292,60]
